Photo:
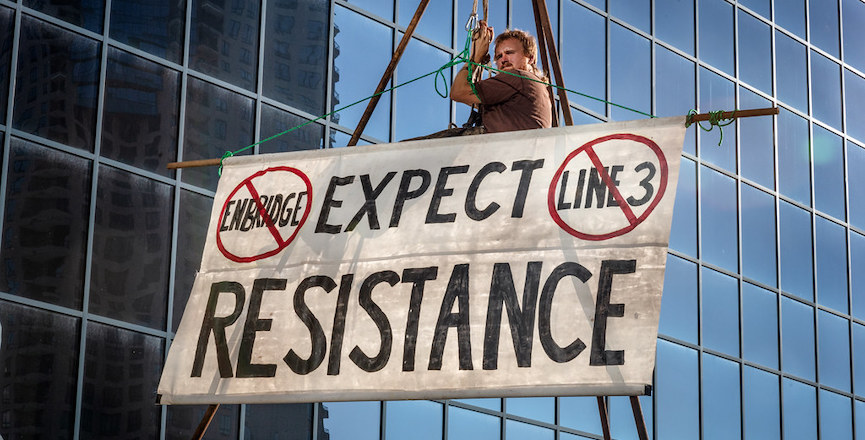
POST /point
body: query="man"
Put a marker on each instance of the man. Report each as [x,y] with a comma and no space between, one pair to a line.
[507,102]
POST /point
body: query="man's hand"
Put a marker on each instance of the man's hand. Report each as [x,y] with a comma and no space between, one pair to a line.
[481,39]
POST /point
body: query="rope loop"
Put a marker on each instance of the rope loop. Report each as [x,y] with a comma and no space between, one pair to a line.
[716,119]
[222,159]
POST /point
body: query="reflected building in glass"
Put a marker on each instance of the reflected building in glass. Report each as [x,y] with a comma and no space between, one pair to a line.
[762,331]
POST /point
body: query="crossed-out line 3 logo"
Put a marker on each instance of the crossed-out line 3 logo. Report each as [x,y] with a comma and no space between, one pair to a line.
[608,186]
[267,208]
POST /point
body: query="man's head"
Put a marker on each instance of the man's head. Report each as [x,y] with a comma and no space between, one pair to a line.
[515,49]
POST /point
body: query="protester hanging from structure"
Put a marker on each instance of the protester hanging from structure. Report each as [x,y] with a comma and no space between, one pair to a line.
[508,101]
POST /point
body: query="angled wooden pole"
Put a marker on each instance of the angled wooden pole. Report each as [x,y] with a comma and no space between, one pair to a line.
[605,417]
[638,418]
[542,45]
[388,73]
[737,114]
[541,7]
[205,422]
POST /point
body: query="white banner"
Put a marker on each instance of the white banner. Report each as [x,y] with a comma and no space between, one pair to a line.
[513,264]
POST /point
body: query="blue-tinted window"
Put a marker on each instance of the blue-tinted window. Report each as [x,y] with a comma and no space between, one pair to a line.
[39,352]
[633,12]
[183,420]
[224,40]
[834,351]
[364,51]
[378,7]
[761,409]
[797,338]
[353,420]
[523,17]
[419,110]
[828,151]
[84,13]
[800,410]
[719,232]
[720,399]
[716,33]
[794,147]
[537,408]
[674,23]
[791,71]
[44,239]
[142,106]
[131,248]
[854,100]
[622,416]
[581,413]
[858,353]
[797,275]
[584,58]
[683,234]
[826,85]
[857,273]
[717,93]
[295,56]
[464,424]
[679,302]
[494,404]
[758,236]
[515,429]
[275,121]
[675,89]
[58,76]
[823,16]
[836,416]
[121,370]
[156,27]
[6,18]
[832,265]
[193,219]
[436,20]
[755,52]
[853,12]
[790,14]
[856,187]
[217,121]
[677,396]
[762,7]
[630,73]
[415,419]
[263,420]
[720,312]
[759,325]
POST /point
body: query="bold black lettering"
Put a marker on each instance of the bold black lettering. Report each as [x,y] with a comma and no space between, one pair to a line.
[458,289]
[440,192]
[581,184]
[249,217]
[369,208]
[328,203]
[611,198]
[285,211]
[239,212]
[300,196]
[645,183]
[562,204]
[403,193]
[211,323]
[528,167]
[603,309]
[553,350]
[357,355]
[222,225]
[253,324]
[471,198]
[261,220]
[596,185]
[416,276]
[338,332]
[521,321]
[316,333]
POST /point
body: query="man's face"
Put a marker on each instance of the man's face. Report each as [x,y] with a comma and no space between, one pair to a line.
[509,55]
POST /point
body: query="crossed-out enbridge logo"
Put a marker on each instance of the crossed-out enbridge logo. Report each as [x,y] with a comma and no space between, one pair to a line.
[608,186]
[263,214]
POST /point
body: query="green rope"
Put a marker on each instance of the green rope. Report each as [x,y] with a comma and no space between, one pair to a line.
[462,57]
[715,120]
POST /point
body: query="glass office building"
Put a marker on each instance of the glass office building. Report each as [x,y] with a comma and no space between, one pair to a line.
[762,331]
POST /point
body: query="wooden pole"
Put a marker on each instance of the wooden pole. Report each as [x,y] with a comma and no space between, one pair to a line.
[542,46]
[738,114]
[605,418]
[388,73]
[541,6]
[205,421]
[638,418]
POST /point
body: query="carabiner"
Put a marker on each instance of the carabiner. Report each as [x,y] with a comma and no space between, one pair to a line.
[472,22]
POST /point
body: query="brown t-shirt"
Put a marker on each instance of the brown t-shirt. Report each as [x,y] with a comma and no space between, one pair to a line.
[512,103]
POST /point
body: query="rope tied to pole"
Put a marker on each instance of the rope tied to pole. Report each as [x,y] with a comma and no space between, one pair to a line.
[716,119]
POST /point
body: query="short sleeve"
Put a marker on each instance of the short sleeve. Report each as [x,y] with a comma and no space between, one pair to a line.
[498,89]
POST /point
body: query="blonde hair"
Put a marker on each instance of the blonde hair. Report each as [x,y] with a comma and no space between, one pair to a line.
[530,48]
